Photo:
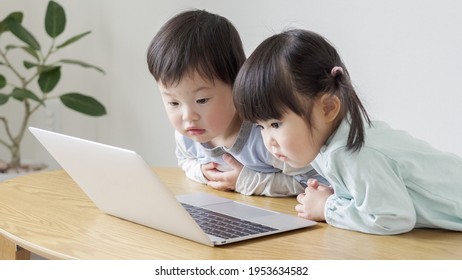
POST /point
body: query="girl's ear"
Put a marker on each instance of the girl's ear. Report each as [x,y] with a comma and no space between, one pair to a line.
[330,106]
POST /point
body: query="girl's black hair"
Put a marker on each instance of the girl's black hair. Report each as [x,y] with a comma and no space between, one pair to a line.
[196,40]
[289,70]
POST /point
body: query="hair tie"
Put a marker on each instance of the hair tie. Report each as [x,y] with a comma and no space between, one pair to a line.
[336,70]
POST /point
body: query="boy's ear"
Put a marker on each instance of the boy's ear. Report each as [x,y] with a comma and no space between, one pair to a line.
[330,106]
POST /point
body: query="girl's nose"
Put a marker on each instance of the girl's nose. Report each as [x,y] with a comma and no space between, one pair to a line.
[269,141]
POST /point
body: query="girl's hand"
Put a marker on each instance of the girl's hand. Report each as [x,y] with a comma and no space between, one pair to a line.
[223,180]
[313,201]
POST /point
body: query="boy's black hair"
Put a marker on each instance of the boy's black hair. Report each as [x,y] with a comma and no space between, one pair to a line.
[288,71]
[196,40]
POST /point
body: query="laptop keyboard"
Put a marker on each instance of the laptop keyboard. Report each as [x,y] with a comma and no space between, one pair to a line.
[222,225]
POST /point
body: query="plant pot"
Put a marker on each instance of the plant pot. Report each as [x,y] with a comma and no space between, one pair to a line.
[27,167]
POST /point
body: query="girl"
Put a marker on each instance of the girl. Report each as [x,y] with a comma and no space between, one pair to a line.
[382,181]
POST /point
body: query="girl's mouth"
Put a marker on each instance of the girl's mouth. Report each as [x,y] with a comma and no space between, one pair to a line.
[281,157]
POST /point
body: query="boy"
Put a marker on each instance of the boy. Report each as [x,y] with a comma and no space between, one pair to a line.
[195,58]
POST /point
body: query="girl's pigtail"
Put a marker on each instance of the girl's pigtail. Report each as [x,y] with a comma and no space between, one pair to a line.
[352,108]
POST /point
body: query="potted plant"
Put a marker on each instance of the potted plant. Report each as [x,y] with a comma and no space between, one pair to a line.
[18,83]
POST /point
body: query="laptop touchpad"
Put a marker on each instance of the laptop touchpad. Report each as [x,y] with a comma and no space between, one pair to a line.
[238,210]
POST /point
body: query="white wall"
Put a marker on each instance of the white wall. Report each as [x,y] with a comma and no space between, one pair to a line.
[404,58]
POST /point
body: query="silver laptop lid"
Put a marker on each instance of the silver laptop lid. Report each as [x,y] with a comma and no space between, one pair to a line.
[121,183]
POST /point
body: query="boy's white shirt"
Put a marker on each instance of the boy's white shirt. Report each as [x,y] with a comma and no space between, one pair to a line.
[267,176]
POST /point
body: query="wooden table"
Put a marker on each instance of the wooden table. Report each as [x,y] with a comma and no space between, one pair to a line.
[49,215]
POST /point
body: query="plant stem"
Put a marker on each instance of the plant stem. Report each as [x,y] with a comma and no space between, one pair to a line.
[5,123]
[11,67]
[15,146]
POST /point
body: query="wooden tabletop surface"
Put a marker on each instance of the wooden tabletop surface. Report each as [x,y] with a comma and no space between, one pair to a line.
[48,214]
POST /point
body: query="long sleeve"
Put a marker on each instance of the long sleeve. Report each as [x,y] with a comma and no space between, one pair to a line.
[370,195]
[188,161]
[287,182]
[269,184]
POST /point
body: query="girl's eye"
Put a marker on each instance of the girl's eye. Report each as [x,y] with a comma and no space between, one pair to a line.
[275,125]
[260,127]
[173,103]
[202,100]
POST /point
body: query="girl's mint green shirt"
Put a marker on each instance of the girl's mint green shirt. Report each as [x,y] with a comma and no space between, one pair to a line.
[393,184]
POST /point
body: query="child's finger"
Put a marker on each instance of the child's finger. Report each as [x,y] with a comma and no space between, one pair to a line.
[299,208]
[209,166]
[313,183]
[219,185]
[300,197]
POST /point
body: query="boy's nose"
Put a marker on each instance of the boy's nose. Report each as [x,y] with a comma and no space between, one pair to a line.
[273,142]
[189,115]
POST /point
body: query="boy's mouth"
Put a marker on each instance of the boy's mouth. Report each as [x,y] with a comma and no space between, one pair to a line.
[195,131]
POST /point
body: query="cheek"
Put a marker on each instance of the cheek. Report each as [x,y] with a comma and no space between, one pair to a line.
[175,117]
[212,120]
[265,139]
[217,118]
[292,144]
[296,145]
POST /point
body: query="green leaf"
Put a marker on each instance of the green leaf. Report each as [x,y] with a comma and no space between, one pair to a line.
[49,79]
[18,16]
[3,27]
[30,65]
[31,51]
[21,94]
[3,98]
[83,64]
[84,104]
[11,47]
[55,19]
[19,31]
[15,15]
[73,39]
[27,49]
[2,81]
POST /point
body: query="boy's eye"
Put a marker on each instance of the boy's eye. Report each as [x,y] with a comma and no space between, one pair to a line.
[172,103]
[260,127]
[202,100]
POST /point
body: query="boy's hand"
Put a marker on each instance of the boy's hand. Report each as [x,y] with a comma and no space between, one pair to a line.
[223,180]
[313,201]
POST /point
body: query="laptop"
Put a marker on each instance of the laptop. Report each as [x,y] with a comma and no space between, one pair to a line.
[122,184]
